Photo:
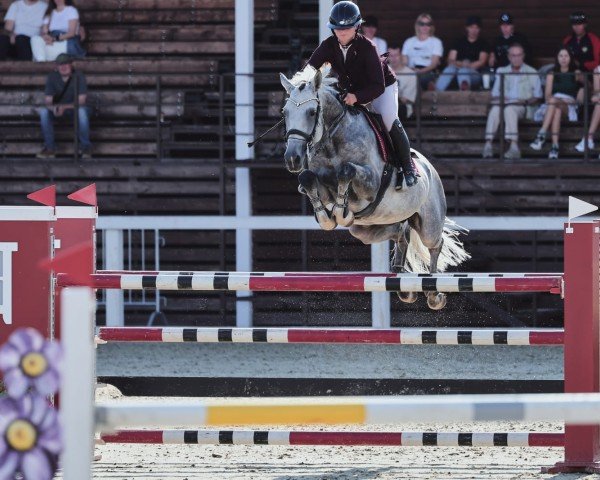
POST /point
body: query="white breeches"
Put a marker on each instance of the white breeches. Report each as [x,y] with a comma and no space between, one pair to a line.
[386,105]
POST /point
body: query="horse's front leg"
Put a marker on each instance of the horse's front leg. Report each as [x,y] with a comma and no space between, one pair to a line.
[309,186]
[364,183]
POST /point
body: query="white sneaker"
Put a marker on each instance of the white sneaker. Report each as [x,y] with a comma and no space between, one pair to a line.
[538,143]
[488,152]
[580,147]
[513,152]
[553,154]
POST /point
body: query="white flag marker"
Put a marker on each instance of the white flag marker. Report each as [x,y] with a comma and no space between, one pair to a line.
[577,208]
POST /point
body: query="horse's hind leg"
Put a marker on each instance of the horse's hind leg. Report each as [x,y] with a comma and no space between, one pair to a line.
[436,300]
[431,234]
[309,185]
[399,260]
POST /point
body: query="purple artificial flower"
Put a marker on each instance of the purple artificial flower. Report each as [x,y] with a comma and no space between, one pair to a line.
[30,438]
[27,361]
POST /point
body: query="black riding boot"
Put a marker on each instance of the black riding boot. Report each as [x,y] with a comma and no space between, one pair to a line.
[402,153]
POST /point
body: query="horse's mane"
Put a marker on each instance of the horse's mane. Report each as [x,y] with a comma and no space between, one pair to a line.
[307,75]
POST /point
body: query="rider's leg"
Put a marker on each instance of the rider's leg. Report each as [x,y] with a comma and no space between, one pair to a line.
[387,106]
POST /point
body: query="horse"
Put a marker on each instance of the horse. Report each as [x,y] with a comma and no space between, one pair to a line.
[334,150]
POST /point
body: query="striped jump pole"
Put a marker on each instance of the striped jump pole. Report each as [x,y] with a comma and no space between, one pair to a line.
[576,409]
[404,336]
[390,439]
[328,274]
[274,282]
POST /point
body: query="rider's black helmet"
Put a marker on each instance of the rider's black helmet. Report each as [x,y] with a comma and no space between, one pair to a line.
[344,15]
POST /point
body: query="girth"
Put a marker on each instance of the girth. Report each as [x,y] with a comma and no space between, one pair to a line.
[386,178]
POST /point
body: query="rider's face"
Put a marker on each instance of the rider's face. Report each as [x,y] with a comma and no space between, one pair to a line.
[345,35]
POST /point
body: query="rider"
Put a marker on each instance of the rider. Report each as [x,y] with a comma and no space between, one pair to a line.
[365,77]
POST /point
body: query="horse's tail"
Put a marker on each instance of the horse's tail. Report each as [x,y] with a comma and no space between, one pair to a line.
[453,251]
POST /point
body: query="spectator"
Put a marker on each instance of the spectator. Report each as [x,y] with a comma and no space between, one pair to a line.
[407,83]
[60,103]
[507,37]
[369,28]
[468,55]
[22,21]
[562,85]
[423,52]
[583,45]
[521,89]
[60,33]
[595,121]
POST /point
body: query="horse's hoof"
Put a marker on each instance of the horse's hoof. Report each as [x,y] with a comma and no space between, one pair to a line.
[325,222]
[344,220]
[437,301]
[407,297]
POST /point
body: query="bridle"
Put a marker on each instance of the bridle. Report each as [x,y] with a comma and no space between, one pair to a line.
[307,137]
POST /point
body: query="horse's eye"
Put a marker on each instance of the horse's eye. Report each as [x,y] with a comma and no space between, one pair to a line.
[312,112]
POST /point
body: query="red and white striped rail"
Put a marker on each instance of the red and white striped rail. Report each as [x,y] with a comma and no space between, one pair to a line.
[404,336]
[328,274]
[279,282]
[279,437]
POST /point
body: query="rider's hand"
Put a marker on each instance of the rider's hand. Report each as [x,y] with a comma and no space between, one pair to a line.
[350,99]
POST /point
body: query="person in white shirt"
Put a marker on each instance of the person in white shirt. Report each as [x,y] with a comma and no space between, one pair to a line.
[60,33]
[22,21]
[369,28]
[522,89]
[424,51]
[407,83]
[595,121]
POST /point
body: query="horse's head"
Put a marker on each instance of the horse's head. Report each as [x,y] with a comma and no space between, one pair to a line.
[303,119]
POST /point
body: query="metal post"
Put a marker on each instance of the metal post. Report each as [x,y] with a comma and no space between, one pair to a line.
[418,106]
[324,9]
[75,117]
[244,132]
[222,191]
[158,118]
[113,254]
[581,351]
[380,301]
[77,389]
[501,113]
[586,115]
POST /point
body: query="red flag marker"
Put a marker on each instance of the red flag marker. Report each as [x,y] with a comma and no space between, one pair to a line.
[45,196]
[85,195]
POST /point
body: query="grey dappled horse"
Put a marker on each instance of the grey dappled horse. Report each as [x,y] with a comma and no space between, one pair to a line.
[341,170]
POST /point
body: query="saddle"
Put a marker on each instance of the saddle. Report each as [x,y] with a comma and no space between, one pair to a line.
[384,142]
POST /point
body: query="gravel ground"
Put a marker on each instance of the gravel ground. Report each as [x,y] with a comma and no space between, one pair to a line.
[324,462]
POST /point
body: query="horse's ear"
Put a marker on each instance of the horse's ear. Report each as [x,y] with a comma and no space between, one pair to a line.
[318,79]
[287,84]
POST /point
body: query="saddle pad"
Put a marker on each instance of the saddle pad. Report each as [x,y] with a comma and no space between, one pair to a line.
[380,135]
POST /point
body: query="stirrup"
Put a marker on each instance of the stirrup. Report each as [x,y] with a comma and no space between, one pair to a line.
[399,179]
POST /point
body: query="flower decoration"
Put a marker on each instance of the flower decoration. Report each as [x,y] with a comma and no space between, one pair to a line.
[30,438]
[27,361]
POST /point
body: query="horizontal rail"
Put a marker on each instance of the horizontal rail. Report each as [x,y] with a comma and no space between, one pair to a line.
[571,408]
[281,437]
[276,282]
[404,336]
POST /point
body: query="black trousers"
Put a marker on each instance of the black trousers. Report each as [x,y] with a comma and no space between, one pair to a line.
[21,50]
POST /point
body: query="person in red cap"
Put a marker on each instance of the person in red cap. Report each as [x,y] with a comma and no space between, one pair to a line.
[365,77]
[583,45]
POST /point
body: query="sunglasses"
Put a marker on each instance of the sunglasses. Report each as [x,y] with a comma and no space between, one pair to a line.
[424,24]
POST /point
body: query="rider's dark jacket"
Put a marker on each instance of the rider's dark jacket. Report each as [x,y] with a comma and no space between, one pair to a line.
[363,73]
